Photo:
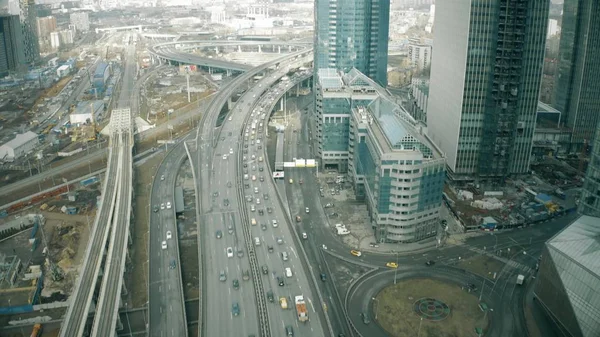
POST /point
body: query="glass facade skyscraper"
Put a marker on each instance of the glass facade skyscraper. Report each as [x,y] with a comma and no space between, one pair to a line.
[577,85]
[26,49]
[590,193]
[485,80]
[352,34]
[568,282]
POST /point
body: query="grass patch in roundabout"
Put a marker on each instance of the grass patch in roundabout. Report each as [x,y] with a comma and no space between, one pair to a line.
[446,310]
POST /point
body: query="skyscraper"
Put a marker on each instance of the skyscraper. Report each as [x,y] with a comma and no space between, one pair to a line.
[27,45]
[485,81]
[352,34]
[10,35]
[577,93]
[45,26]
[590,193]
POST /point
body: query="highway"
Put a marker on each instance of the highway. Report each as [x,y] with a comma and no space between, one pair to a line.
[210,164]
[165,292]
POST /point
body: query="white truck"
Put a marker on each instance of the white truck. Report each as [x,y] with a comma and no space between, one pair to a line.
[520,279]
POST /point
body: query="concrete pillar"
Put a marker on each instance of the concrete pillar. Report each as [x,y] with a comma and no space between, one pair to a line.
[279,49]
[239,49]
[124,290]
[290,49]
[267,12]
[228,72]
[259,48]
[217,50]
[298,89]
[229,103]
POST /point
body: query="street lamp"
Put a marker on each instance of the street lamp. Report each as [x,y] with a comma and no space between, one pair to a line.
[375,300]
[396,270]
[420,323]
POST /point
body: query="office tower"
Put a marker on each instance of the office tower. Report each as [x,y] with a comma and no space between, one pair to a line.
[10,34]
[419,53]
[81,21]
[352,34]
[485,81]
[577,93]
[28,43]
[590,193]
[45,26]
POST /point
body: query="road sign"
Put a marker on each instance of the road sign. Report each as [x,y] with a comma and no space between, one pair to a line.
[278,174]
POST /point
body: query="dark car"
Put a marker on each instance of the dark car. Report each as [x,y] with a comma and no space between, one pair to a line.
[155,209]
[269,210]
[333,215]
[323,277]
[261,169]
[240,252]
[289,331]
[263,226]
[219,234]
[280,281]
[246,275]
[265,269]
[261,212]
[215,194]
[235,309]
[270,249]
[270,296]
[236,284]
[173,264]
[266,196]
[226,202]
[430,263]
[365,317]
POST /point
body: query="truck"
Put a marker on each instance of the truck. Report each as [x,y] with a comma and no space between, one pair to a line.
[37,330]
[301,308]
[520,279]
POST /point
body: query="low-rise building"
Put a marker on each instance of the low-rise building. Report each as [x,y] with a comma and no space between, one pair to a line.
[86,112]
[392,164]
[19,146]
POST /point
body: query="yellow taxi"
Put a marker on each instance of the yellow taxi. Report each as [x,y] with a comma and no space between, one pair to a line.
[355,252]
[391,265]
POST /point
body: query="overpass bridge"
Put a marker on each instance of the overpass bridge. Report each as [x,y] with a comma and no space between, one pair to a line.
[122,28]
[176,52]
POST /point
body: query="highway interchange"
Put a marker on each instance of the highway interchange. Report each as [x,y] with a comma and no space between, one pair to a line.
[223,156]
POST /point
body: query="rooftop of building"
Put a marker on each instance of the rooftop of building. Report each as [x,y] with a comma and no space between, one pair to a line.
[580,242]
[100,69]
[20,139]
[330,79]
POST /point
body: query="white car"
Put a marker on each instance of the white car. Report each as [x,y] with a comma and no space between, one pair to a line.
[162,177]
[169,206]
[224,157]
[162,206]
[169,235]
[230,118]
[307,210]
[230,151]
[164,245]
[229,252]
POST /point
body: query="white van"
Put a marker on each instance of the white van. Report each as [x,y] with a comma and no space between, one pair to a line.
[260,159]
[253,222]
[257,241]
[288,272]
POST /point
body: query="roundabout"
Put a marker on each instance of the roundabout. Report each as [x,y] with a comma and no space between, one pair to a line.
[425,302]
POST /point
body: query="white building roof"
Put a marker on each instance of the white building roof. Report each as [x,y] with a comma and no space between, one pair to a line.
[21,139]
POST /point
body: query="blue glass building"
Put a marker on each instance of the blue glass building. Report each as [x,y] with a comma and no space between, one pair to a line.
[393,165]
[352,34]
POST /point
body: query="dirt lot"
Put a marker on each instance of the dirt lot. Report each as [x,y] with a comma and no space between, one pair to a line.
[394,307]
[482,265]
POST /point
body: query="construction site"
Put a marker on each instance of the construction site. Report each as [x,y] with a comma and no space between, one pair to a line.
[551,191]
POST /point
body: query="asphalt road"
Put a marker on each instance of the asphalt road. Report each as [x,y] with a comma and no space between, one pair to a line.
[166,307]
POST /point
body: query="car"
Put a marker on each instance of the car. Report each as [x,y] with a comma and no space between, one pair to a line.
[252,208]
[265,269]
[235,309]
[270,249]
[289,331]
[229,252]
[298,218]
[307,210]
[236,284]
[169,235]
[261,178]
[162,206]
[246,275]
[470,286]
[280,281]
[391,265]
[260,169]
[288,272]
[270,296]
[230,151]
[230,118]
[430,263]
[155,209]
[172,264]
[333,215]
[229,184]
[230,229]
[269,210]
[323,277]
[265,196]
[245,165]
[164,245]
[219,234]
[279,241]
[215,194]
[263,226]
[275,225]
[222,276]
[304,236]
[284,256]
[355,252]
[224,157]
[257,201]
[168,205]
[162,177]
[226,202]
[365,318]
[329,205]
[261,212]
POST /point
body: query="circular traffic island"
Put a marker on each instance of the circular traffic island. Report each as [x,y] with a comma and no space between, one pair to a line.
[428,308]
